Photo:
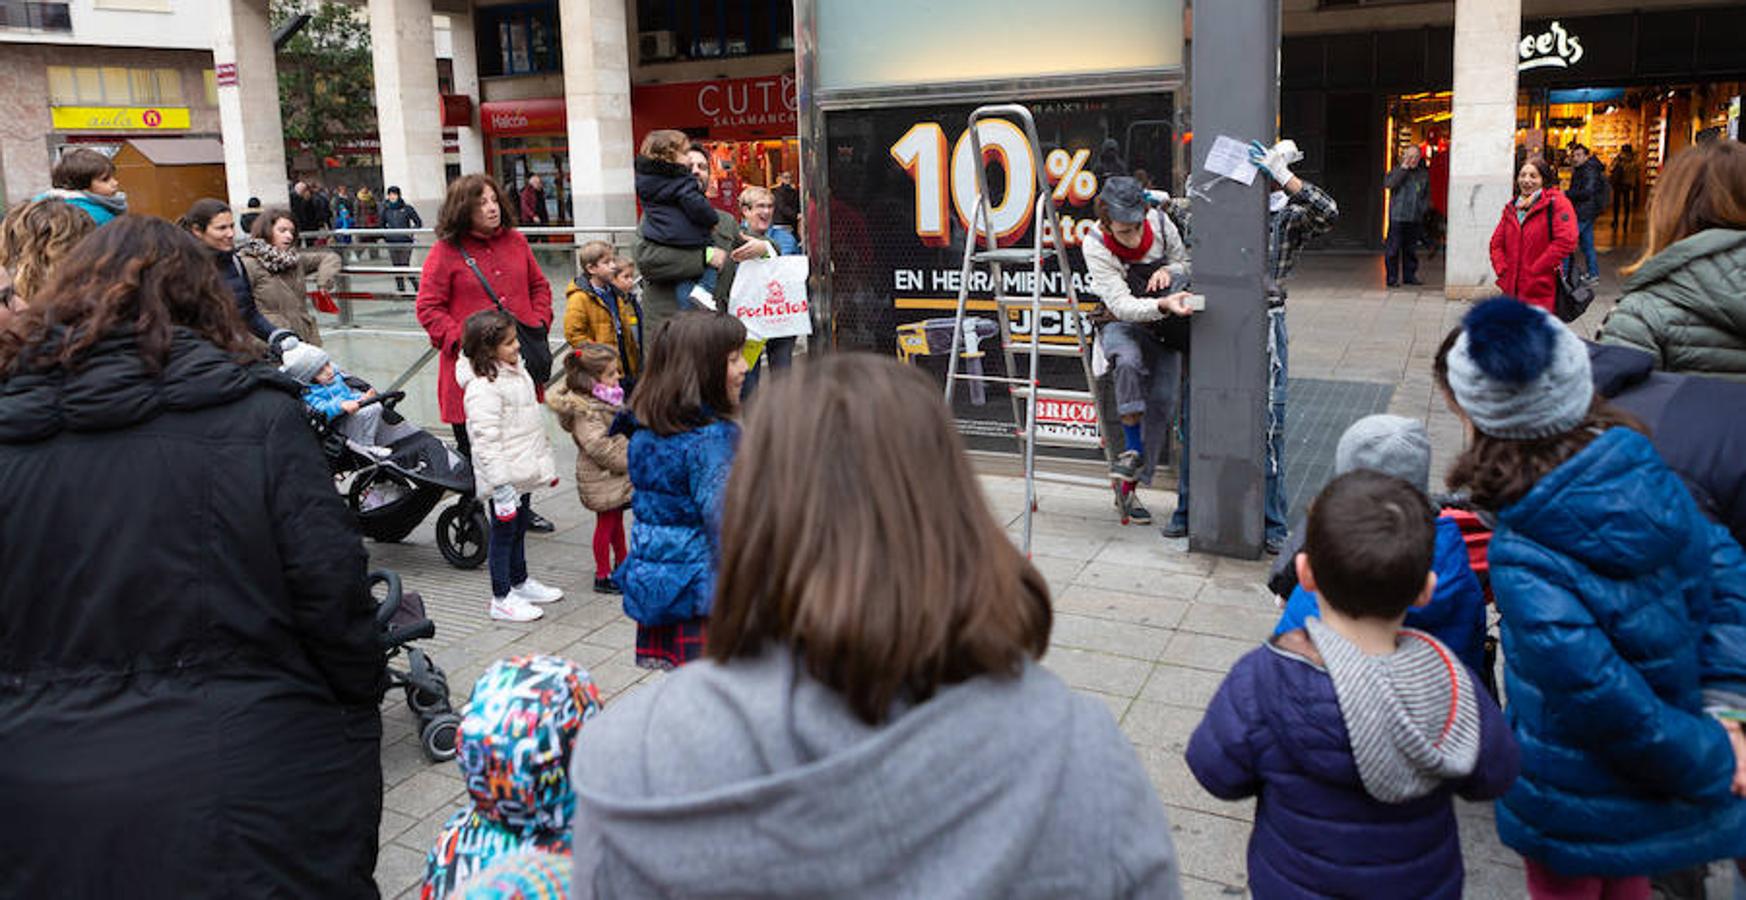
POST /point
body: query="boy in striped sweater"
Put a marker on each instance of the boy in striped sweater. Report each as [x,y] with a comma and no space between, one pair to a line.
[1353,732]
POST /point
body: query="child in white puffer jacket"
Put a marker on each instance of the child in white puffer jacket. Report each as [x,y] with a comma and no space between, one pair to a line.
[511,456]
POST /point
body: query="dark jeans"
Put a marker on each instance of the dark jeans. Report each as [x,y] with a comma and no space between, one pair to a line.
[780,353]
[1585,247]
[1400,252]
[1624,200]
[401,256]
[463,445]
[507,552]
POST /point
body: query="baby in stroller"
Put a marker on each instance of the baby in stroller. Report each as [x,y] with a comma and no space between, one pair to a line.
[327,391]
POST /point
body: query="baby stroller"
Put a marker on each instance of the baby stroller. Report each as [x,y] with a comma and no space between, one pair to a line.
[400,616]
[390,495]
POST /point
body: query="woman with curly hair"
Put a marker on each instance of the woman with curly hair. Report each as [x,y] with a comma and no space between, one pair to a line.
[34,238]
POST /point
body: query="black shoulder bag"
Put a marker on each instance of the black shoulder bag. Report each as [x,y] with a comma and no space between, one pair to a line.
[1570,298]
[1171,331]
[536,348]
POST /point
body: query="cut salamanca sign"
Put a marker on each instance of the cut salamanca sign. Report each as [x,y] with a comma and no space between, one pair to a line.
[1555,47]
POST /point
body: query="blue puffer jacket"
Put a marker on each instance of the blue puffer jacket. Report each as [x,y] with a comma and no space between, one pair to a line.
[1455,615]
[677,482]
[1274,731]
[1621,604]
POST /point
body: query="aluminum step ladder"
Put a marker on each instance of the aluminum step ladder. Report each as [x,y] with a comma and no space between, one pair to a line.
[982,250]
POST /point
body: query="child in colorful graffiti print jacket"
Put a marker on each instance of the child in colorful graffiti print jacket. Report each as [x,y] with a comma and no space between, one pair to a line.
[520,796]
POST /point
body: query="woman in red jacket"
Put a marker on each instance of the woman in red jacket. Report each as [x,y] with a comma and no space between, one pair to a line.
[1525,251]
[474,221]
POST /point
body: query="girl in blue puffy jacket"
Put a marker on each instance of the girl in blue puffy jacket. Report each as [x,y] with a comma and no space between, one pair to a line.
[1624,618]
[682,441]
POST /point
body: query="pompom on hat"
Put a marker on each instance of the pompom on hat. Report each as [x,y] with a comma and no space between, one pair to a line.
[1518,373]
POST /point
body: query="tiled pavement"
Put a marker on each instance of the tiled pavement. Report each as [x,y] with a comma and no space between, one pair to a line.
[1141,624]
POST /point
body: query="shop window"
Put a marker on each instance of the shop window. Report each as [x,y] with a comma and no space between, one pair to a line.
[518,40]
[114,86]
[706,29]
[34,15]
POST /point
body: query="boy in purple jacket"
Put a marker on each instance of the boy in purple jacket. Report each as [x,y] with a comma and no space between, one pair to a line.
[1352,731]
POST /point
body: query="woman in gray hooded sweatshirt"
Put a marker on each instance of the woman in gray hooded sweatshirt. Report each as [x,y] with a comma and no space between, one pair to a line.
[871,720]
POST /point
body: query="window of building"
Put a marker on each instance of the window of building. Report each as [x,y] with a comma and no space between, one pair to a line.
[705,29]
[35,15]
[519,40]
[114,86]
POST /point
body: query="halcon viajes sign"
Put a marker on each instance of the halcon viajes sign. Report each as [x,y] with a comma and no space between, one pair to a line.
[1555,47]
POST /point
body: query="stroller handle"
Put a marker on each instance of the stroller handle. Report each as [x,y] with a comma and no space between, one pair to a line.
[387,400]
[391,603]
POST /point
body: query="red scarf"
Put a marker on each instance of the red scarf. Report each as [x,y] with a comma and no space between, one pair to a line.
[1132,254]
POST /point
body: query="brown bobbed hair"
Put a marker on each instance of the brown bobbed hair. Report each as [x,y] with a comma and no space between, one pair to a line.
[665,144]
[683,384]
[263,227]
[1548,175]
[1704,187]
[1496,472]
[35,237]
[855,533]
[483,333]
[466,193]
[138,274]
[78,168]
[1370,538]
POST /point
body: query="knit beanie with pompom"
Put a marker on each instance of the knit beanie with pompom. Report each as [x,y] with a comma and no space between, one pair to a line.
[1518,373]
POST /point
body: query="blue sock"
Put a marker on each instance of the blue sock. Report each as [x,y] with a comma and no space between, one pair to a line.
[1131,434]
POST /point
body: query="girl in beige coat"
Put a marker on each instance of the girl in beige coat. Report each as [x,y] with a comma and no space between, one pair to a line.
[586,403]
[511,455]
[278,273]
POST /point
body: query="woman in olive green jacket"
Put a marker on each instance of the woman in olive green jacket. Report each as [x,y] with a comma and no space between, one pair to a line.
[1685,301]
[278,272]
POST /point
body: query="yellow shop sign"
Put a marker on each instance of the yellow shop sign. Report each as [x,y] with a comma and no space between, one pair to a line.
[149,118]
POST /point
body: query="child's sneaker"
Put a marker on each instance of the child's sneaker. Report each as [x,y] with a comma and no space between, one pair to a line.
[606,586]
[534,592]
[514,609]
[703,297]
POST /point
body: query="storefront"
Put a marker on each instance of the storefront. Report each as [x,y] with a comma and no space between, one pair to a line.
[748,125]
[1655,81]
[524,138]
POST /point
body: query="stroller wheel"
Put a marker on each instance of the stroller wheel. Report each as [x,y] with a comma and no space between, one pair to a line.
[462,533]
[425,702]
[439,736]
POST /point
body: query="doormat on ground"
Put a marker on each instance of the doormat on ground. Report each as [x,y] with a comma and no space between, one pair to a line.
[1317,412]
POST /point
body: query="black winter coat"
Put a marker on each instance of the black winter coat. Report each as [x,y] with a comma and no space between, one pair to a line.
[675,210]
[1694,423]
[1588,190]
[400,214]
[189,668]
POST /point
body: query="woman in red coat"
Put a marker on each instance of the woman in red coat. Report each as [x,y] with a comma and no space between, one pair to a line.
[1525,253]
[474,221]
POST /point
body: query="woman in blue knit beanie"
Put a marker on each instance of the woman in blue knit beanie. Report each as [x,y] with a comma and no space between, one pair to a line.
[1624,619]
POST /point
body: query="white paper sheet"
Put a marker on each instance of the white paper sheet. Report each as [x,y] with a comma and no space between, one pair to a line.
[1229,158]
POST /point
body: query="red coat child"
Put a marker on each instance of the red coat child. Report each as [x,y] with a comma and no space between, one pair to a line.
[449,292]
[1526,254]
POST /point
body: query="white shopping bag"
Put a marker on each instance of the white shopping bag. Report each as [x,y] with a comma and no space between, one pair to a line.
[769,297]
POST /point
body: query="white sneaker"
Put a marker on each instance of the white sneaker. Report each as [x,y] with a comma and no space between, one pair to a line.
[703,297]
[514,609]
[534,592]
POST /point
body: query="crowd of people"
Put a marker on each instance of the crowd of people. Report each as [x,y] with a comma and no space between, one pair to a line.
[197,706]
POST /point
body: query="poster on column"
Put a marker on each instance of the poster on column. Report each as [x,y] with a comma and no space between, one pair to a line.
[902,184]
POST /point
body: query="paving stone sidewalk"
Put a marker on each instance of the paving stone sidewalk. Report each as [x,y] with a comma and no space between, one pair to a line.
[1141,624]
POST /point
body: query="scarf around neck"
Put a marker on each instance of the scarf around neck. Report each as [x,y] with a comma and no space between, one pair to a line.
[273,258]
[1136,253]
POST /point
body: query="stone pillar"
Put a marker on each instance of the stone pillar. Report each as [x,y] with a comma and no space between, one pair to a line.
[466,70]
[248,111]
[408,117]
[597,104]
[1482,140]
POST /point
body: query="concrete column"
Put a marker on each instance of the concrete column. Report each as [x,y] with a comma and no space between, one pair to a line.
[407,114]
[466,69]
[597,103]
[248,111]
[1482,140]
